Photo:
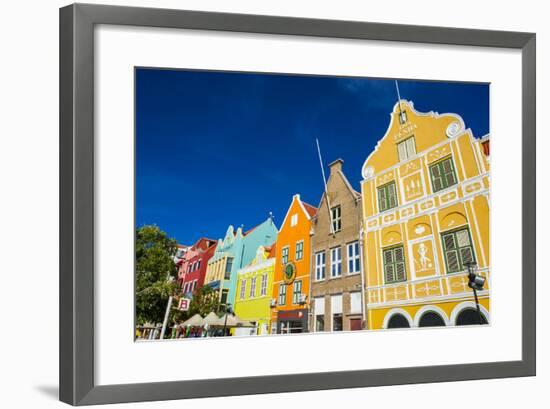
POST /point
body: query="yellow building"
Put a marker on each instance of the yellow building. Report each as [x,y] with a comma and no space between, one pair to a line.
[426,208]
[254,287]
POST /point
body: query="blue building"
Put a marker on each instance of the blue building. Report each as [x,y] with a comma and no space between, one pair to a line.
[234,251]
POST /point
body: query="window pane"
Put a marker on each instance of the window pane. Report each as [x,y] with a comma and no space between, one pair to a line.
[398,253]
[463,238]
[388,256]
[449,241]
[400,271]
[389,273]
[466,255]
[452,260]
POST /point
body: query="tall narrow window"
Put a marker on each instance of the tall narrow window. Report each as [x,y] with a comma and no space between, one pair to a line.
[263,288]
[228,267]
[458,250]
[387,197]
[252,287]
[320,266]
[297,292]
[336,217]
[282,294]
[299,250]
[354,264]
[336,262]
[443,174]
[284,257]
[394,265]
[243,289]
[406,149]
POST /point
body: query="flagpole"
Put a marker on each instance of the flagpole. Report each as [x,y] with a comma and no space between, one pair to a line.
[325,184]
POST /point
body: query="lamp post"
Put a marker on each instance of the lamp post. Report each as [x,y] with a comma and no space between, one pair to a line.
[227,311]
[476,283]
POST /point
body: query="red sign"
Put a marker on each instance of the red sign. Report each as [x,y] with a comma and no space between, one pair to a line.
[184,304]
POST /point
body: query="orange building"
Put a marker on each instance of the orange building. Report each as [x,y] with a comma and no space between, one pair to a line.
[290,303]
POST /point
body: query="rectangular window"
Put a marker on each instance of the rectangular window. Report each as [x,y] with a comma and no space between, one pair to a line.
[294,220]
[243,289]
[299,250]
[458,249]
[319,323]
[297,292]
[354,263]
[443,174]
[252,287]
[337,322]
[406,149]
[336,217]
[263,288]
[320,265]
[336,262]
[198,264]
[387,197]
[282,294]
[394,265]
[284,257]
[224,296]
[355,303]
[228,267]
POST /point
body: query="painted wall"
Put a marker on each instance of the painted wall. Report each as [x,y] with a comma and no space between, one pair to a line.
[423,215]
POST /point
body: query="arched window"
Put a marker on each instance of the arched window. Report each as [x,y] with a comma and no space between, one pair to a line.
[431,319]
[398,321]
[469,316]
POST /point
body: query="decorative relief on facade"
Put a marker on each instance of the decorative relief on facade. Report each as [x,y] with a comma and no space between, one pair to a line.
[472,187]
[404,131]
[426,205]
[447,197]
[409,167]
[385,178]
[373,223]
[389,218]
[412,186]
[454,129]
[438,153]
[423,258]
[409,211]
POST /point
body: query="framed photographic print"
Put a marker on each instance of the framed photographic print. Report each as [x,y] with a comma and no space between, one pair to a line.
[254,204]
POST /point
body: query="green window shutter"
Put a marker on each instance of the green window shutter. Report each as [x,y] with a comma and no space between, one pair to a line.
[443,174]
[458,250]
[392,196]
[382,198]
[394,265]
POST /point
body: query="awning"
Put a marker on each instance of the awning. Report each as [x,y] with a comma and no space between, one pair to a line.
[195,321]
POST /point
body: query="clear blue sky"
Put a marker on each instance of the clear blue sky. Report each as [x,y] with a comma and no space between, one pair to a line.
[220,148]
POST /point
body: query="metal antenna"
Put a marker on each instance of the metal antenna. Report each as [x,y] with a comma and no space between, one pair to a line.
[325,183]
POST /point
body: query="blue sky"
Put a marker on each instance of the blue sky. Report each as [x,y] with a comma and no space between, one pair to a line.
[220,148]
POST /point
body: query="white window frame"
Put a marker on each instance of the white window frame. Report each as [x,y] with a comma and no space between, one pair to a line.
[296,295]
[406,149]
[294,220]
[284,254]
[243,289]
[335,262]
[252,292]
[282,294]
[302,250]
[336,219]
[320,265]
[354,259]
[263,288]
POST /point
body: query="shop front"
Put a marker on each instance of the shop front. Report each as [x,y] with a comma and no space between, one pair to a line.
[292,321]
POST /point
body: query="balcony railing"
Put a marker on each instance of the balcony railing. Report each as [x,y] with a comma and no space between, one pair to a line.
[425,289]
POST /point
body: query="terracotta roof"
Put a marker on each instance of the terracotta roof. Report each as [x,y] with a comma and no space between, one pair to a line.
[272,250]
[312,210]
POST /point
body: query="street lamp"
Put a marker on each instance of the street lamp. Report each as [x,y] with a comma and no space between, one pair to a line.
[476,283]
[228,310]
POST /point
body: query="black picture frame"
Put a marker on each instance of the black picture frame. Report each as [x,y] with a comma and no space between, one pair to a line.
[77,386]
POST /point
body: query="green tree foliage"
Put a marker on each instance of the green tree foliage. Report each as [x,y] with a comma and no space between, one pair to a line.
[155,273]
[205,300]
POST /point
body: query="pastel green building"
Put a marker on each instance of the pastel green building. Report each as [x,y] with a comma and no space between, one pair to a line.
[253,296]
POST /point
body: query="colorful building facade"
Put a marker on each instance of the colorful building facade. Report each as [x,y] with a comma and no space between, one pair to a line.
[337,288]
[291,284]
[254,289]
[426,203]
[236,250]
[194,268]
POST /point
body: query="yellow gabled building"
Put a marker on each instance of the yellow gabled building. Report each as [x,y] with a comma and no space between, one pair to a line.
[426,208]
[254,288]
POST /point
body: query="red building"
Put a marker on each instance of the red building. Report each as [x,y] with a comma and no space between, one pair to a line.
[192,269]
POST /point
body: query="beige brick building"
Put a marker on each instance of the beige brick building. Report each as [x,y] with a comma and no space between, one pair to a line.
[337,289]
